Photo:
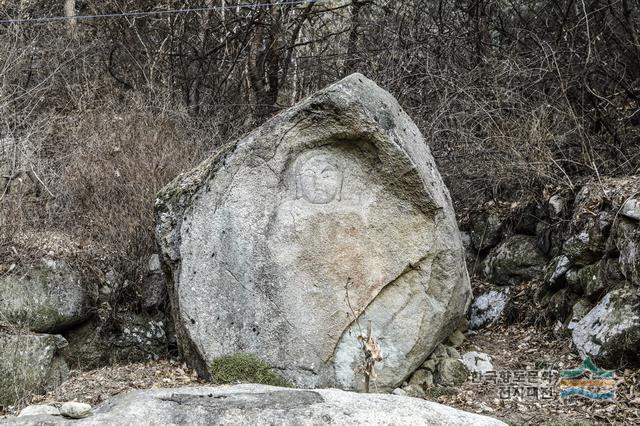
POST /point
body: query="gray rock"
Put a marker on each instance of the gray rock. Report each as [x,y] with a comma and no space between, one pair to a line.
[332,208]
[421,378]
[477,362]
[399,392]
[133,338]
[154,289]
[487,308]
[486,229]
[580,309]
[626,238]
[36,410]
[587,243]
[265,405]
[631,209]
[153,265]
[451,372]
[515,260]
[571,278]
[590,279]
[556,271]
[559,304]
[452,352]
[557,205]
[440,351]
[456,338]
[48,296]
[75,410]
[29,365]
[430,365]
[610,332]
[141,338]
[415,391]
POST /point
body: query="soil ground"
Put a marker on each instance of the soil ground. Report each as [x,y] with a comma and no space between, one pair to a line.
[512,348]
[515,348]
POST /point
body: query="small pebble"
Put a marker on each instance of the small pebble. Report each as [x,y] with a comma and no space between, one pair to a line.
[400,392]
[75,410]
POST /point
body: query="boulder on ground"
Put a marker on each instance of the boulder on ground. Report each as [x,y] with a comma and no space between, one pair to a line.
[592,280]
[631,208]
[37,410]
[486,228]
[264,405]
[130,338]
[451,372]
[477,362]
[289,242]
[610,332]
[515,260]
[75,410]
[48,296]
[487,308]
[29,363]
[556,270]
[580,309]
[626,238]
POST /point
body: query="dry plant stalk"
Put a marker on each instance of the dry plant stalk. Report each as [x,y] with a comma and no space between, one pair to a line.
[370,347]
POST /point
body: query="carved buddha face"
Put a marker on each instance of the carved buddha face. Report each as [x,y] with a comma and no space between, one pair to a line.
[320,179]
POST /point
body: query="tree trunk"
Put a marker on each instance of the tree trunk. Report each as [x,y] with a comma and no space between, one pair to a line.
[70,12]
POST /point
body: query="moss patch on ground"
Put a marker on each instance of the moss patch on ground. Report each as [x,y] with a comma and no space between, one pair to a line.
[244,368]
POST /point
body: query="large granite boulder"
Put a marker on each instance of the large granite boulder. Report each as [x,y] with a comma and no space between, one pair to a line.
[610,332]
[47,296]
[264,405]
[29,363]
[287,243]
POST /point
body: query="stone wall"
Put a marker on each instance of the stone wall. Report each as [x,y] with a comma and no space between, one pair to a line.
[55,315]
[579,250]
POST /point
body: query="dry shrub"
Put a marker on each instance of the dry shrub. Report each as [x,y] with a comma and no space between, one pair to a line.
[102,166]
[117,158]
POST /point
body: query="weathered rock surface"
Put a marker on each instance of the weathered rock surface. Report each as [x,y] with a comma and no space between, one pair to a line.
[515,260]
[487,308]
[631,208]
[29,364]
[131,338]
[37,410]
[486,229]
[154,289]
[333,208]
[442,368]
[556,271]
[477,362]
[626,238]
[610,332]
[580,309]
[75,410]
[46,297]
[265,405]
[451,372]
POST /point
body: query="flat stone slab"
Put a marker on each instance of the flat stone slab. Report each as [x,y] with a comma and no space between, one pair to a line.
[265,405]
[288,242]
